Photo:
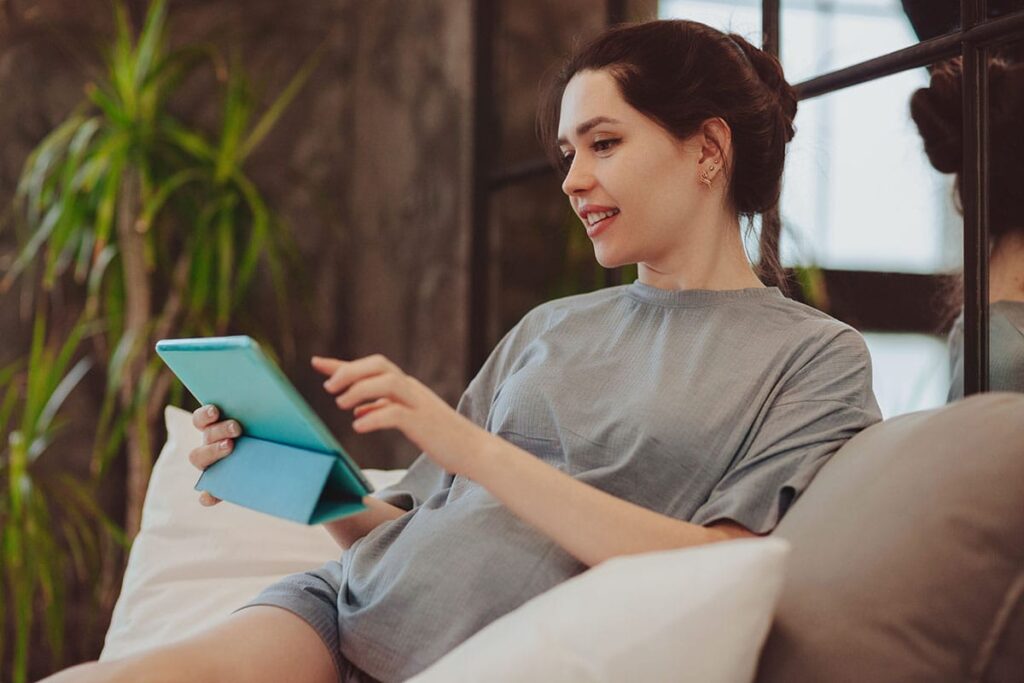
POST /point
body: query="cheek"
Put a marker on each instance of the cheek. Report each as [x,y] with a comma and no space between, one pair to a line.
[662,194]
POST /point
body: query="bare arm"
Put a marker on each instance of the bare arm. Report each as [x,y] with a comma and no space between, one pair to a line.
[588,523]
[348,530]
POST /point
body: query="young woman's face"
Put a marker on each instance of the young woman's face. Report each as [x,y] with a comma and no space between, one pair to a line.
[632,183]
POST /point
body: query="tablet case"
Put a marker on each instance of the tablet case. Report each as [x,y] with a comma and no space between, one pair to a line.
[287,463]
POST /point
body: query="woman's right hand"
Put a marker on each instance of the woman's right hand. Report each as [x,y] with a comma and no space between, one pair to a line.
[218,441]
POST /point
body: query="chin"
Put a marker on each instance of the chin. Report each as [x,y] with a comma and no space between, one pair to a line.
[609,260]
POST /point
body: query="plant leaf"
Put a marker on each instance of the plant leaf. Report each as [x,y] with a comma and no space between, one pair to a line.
[279,105]
[167,188]
[60,394]
[150,42]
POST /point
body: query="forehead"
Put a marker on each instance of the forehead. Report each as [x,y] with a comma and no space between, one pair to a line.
[587,95]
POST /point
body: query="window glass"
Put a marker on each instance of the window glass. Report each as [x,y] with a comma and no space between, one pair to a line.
[909,371]
[858,193]
[732,16]
[831,35]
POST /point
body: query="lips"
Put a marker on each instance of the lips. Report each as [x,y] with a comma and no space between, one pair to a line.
[596,217]
[599,222]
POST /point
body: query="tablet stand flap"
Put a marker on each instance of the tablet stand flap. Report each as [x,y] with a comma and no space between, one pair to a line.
[305,486]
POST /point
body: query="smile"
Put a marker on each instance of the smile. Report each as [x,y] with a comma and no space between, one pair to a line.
[597,222]
[596,217]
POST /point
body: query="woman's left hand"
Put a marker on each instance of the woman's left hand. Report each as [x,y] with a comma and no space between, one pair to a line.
[384,397]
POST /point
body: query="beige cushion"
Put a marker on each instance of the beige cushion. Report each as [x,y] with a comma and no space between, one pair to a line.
[908,554]
[686,616]
[191,566]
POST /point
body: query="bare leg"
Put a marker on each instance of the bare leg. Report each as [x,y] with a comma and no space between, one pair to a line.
[258,644]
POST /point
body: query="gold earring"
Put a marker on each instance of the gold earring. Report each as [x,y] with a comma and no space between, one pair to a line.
[705,175]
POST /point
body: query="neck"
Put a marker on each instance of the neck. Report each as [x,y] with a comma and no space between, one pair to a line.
[714,260]
[1006,268]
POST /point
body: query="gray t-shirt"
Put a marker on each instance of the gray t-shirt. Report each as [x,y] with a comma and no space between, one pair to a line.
[702,405]
[1005,350]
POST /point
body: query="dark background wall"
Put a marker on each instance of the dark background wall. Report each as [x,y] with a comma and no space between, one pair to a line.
[368,167]
[371,168]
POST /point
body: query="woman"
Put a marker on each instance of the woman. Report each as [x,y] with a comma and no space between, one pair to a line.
[937,111]
[689,407]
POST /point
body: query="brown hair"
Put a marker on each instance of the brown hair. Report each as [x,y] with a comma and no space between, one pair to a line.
[679,74]
[937,111]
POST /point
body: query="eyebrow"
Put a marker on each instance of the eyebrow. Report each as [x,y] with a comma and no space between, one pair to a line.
[586,126]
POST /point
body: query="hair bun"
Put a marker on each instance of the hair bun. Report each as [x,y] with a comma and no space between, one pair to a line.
[769,70]
[938,112]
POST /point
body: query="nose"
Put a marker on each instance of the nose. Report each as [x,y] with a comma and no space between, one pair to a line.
[579,179]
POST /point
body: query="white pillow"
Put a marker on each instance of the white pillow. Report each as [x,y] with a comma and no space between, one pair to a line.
[698,614]
[190,565]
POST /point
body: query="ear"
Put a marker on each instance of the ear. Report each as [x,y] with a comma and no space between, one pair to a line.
[715,138]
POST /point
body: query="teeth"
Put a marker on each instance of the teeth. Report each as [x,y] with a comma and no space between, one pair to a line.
[595,217]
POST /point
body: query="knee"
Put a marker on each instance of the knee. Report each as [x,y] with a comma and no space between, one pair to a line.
[87,672]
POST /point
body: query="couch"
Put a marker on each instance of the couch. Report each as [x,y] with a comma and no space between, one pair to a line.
[903,561]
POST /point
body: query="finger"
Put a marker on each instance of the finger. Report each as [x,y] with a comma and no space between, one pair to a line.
[388,386]
[204,456]
[353,371]
[370,407]
[326,366]
[207,499]
[387,417]
[228,429]
[201,417]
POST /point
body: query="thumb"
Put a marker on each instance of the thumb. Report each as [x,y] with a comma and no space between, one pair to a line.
[208,499]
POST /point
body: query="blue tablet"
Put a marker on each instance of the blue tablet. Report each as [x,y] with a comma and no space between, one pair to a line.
[246,385]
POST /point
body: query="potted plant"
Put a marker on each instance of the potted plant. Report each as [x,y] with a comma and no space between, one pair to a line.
[158,223]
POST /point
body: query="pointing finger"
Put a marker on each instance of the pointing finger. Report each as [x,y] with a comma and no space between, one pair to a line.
[325,366]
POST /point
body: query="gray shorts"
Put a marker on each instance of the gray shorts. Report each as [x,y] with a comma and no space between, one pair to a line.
[313,597]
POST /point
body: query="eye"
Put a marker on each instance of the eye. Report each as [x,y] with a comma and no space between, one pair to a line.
[604,145]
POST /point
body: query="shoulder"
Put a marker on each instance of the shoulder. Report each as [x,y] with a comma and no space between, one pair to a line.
[1006,342]
[789,311]
[1009,314]
[557,310]
[809,332]
[547,315]
[825,358]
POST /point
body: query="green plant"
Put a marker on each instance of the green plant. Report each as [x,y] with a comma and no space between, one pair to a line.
[813,288]
[43,509]
[160,224]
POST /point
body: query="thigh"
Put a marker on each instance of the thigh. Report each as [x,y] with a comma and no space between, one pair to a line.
[257,644]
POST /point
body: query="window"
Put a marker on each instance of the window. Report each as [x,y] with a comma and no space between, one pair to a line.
[858,193]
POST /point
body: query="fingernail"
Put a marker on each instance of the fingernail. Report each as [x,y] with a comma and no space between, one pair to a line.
[211,411]
[225,444]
